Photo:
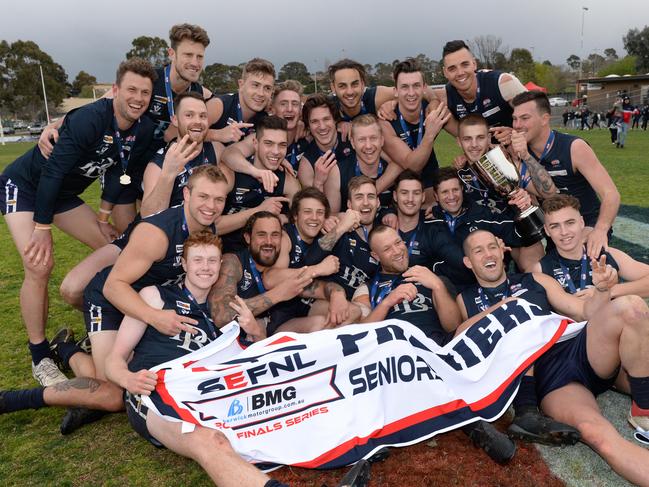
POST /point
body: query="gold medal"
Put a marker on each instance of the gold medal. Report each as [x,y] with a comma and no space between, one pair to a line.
[125,179]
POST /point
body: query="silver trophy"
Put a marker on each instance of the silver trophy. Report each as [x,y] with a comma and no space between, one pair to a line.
[495,170]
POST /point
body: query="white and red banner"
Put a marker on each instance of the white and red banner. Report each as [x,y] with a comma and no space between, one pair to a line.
[327,399]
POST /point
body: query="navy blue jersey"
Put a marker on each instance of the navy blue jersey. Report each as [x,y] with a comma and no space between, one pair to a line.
[517,285]
[558,163]
[420,311]
[250,284]
[299,248]
[295,151]
[207,156]
[368,104]
[486,196]
[356,263]
[342,150]
[158,110]
[489,102]
[432,246]
[553,265]
[475,217]
[409,133]
[350,168]
[155,348]
[246,194]
[164,272]
[232,113]
[86,150]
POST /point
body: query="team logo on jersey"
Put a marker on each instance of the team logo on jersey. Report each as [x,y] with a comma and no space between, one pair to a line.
[96,169]
[183,307]
[246,281]
[156,109]
[108,139]
[461,110]
[179,249]
[346,151]
[486,102]
[555,162]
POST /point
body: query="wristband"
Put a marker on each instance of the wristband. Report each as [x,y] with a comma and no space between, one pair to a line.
[105,212]
[102,221]
[40,226]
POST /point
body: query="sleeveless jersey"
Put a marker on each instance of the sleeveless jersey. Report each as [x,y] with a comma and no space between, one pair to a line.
[516,285]
[558,163]
[207,156]
[368,104]
[155,348]
[410,135]
[342,150]
[489,102]
[158,110]
[553,265]
[232,113]
[349,168]
[420,312]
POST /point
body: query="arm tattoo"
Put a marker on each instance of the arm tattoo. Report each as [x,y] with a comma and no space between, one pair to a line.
[542,180]
[328,241]
[78,383]
[259,304]
[321,290]
[224,290]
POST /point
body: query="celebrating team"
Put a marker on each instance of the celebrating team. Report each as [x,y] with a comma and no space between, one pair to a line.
[329,211]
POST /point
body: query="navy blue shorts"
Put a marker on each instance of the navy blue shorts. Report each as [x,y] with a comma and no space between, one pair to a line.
[567,362]
[136,413]
[98,313]
[130,194]
[14,199]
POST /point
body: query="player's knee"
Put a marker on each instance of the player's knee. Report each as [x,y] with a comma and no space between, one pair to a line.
[41,271]
[70,292]
[634,312]
[208,442]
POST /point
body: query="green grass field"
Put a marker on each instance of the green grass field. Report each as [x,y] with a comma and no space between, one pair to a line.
[32,452]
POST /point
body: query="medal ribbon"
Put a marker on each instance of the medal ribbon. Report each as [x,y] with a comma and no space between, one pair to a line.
[420,131]
[208,319]
[485,300]
[385,290]
[256,276]
[582,277]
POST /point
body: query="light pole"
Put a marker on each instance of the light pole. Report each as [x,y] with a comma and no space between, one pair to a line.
[581,61]
[47,112]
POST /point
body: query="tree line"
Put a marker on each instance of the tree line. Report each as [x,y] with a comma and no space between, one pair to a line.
[21,95]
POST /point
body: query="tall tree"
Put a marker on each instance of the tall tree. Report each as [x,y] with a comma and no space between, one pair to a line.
[574,62]
[383,74]
[20,90]
[221,78]
[295,70]
[610,54]
[428,67]
[636,43]
[486,49]
[626,65]
[153,49]
[82,80]
[522,64]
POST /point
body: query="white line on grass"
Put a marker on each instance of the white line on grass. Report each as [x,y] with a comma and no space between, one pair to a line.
[631,230]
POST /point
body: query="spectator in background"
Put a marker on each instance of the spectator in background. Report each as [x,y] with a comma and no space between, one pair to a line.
[565,116]
[636,118]
[626,109]
[645,116]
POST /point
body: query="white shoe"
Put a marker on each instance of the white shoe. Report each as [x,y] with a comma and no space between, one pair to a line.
[47,373]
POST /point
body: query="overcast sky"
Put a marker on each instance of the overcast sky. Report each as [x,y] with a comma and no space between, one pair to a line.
[94,36]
